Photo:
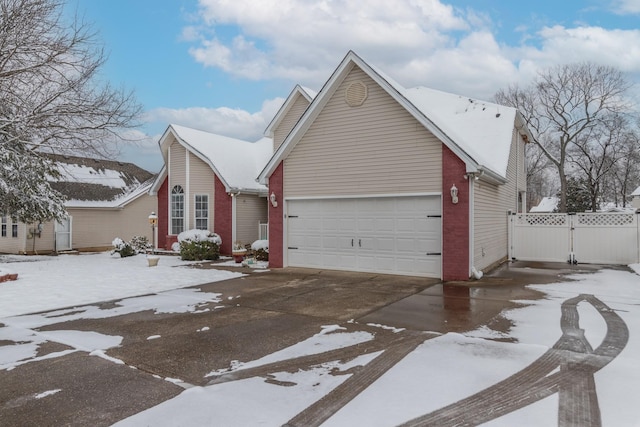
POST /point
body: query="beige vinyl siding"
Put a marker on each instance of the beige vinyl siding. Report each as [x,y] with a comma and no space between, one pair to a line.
[250,211]
[376,148]
[289,121]
[201,181]
[43,244]
[96,228]
[490,210]
[14,245]
[177,166]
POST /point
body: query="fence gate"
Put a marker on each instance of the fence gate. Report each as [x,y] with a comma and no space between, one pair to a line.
[598,238]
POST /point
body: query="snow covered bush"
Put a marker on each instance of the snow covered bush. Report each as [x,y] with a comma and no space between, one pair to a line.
[123,248]
[260,249]
[140,244]
[198,245]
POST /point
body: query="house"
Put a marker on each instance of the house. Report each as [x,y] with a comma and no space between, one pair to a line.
[547,204]
[635,201]
[208,182]
[376,177]
[106,199]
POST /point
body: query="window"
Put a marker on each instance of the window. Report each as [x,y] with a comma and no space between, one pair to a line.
[14,230]
[4,226]
[202,211]
[177,210]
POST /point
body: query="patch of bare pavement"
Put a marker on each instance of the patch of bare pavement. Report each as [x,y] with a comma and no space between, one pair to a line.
[161,354]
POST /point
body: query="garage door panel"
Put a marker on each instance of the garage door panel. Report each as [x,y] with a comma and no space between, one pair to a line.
[385,234]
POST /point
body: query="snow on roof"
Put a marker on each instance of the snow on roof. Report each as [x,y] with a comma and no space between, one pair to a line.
[482,129]
[547,204]
[99,183]
[115,203]
[636,192]
[479,132]
[237,161]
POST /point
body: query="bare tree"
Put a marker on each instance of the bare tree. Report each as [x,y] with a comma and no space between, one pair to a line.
[596,153]
[564,104]
[625,174]
[539,183]
[51,100]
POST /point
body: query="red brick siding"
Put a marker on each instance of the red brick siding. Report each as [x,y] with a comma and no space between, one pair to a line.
[455,218]
[223,216]
[163,213]
[276,219]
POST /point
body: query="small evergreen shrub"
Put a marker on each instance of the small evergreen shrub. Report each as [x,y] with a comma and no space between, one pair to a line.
[140,244]
[123,248]
[199,245]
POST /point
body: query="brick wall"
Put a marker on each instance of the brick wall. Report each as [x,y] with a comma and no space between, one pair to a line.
[455,218]
[223,216]
[276,219]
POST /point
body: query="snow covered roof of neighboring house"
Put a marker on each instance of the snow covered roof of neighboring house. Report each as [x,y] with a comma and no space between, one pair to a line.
[99,183]
[547,204]
[236,162]
[636,192]
[478,132]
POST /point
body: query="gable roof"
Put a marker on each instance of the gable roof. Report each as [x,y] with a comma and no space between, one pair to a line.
[636,192]
[236,162]
[297,91]
[98,183]
[478,132]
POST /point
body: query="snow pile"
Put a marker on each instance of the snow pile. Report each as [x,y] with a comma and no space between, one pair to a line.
[260,244]
[199,236]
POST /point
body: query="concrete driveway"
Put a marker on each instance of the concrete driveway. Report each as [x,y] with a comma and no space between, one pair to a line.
[162,353]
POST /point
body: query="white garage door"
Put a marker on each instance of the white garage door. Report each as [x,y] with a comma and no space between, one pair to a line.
[393,235]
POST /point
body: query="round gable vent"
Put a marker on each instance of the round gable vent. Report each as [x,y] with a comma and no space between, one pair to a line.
[356,94]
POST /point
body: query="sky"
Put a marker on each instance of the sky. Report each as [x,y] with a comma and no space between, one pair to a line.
[446,368]
[226,66]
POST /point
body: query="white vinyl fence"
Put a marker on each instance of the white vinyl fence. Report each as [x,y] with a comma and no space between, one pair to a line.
[597,238]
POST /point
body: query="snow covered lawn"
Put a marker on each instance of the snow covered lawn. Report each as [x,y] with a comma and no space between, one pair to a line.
[439,372]
[51,282]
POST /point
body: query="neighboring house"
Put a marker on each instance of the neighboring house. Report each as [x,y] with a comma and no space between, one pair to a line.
[547,204]
[375,177]
[635,201]
[106,199]
[208,182]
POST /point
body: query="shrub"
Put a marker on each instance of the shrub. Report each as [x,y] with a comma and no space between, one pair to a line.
[261,250]
[123,248]
[140,244]
[199,245]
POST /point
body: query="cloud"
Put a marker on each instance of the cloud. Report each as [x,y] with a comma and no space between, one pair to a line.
[302,41]
[617,48]
[236,123]
[417,42]
[626,7]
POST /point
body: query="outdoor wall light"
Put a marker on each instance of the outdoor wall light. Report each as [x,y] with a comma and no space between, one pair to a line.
[273,200]
[454,194]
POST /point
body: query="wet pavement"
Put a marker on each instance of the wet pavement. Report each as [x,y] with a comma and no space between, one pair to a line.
[161,354]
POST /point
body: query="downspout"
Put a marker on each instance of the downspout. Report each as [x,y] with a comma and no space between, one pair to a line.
[472,269]
[471,180]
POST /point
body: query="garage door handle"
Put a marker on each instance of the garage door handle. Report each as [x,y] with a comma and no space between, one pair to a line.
[360,242]
[351,242]
[434,253]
